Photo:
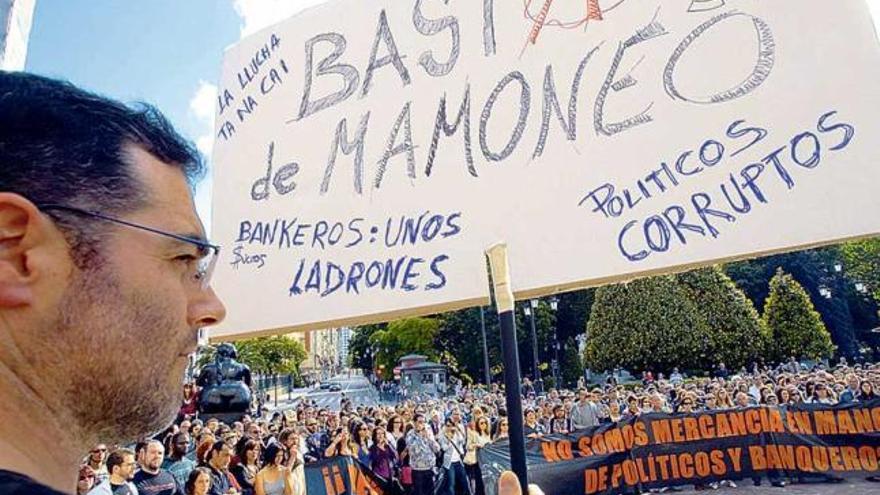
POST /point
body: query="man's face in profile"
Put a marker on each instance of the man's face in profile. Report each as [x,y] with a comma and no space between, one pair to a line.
[123,324]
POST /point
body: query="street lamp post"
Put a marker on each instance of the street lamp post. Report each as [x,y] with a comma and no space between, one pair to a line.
[530,312]
[487,375]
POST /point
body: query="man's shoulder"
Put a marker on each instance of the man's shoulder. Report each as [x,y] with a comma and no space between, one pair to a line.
[18,484]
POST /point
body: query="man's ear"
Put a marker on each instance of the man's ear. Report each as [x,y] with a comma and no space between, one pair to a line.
[22,230]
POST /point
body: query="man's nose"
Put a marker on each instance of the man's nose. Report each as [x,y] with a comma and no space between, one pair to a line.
[205,310]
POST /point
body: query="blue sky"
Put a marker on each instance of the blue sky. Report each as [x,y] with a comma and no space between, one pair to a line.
[165,52]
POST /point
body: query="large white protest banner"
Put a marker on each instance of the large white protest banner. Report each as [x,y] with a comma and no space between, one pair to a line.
[369,151]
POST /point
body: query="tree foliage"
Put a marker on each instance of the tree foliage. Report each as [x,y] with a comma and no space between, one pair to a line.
[649,323]
[796,327]
[359,355]
[737,335]
[268,355]
[828,271]
[402,337]
[863,262]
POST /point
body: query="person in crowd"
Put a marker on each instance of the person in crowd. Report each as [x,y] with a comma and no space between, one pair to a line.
[189,405]
[103,251]
[222,481]
[479,435]
[247,451]
[317,441]
[560,424]
[396,429]
[866,391]
[340,445]
[274,478]
[583,413]
[177,463]
[96,461]
[122,465]
[531,426]
[422,451]
[383,456]
[198,482]
[850,393]
[360,441]
[821,395]
[86,480]
[151,479]
[452,443]
[503,429]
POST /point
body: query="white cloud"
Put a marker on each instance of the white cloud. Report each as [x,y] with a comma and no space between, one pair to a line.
[257,14]
[202,107]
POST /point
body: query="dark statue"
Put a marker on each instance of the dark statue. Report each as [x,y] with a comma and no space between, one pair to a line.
[224,385]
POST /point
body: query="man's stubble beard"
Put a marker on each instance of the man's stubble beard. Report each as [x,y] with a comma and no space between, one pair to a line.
[118,346]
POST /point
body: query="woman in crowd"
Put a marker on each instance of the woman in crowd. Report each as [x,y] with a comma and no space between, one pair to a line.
[866,391]
[189,405]
[723,400]
[396,429]
[199,482]
[503,429]
[478,436]
[274,478]
[360,441]
[339,445]
[821,395]
[245,470]
[382,457]
[295,462]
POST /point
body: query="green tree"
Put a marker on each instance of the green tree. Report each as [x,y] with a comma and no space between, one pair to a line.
[827,277]
[402,337]
[863,263]
[795,326]
[268,355]
[459,337]
[649,323]
[737,335]
[359,354]
[572,365]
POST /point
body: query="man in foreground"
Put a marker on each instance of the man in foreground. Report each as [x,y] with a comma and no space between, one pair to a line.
[102,255]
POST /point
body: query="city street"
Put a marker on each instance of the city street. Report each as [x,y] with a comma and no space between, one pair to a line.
[356,388]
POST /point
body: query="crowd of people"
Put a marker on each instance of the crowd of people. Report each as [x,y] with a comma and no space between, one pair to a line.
[431,446]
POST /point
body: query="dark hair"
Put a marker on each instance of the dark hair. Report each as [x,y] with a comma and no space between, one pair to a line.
[375,435]
[61,144]
[245,444]
[177,436]
[215,448]
[140,447]
[190,486]
[354,428]
[270,453]
[116,458]
[285,434]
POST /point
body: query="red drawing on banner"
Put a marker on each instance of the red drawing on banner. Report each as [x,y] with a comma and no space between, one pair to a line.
[578,13]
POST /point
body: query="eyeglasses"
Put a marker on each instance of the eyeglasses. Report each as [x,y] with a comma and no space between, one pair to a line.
[199,273]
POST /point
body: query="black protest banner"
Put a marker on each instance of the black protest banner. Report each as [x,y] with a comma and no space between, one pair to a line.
[344,475]
[657,450]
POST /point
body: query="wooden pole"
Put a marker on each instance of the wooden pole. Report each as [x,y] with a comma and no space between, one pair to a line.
[504,301]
